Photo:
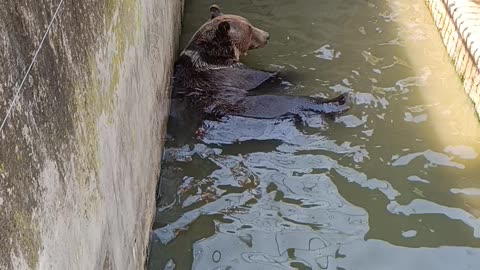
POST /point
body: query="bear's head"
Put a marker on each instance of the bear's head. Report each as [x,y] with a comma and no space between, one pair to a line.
[222,39]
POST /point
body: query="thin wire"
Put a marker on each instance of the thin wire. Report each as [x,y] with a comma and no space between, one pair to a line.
[30,67]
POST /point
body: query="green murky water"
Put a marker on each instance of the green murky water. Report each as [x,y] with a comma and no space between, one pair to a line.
[394,183]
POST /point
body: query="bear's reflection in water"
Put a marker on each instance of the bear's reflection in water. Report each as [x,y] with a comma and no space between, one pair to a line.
[211,83]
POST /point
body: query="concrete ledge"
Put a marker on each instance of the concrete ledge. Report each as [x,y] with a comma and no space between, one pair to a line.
[459,24]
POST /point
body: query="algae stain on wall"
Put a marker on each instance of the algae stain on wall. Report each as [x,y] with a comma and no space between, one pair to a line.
[29,241]
[123,30]
[91,99]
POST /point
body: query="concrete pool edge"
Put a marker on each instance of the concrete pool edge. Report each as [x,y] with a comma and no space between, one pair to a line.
[80,152]
[457,22]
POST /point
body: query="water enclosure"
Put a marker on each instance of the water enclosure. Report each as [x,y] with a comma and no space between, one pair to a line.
[83,99]
[393,183]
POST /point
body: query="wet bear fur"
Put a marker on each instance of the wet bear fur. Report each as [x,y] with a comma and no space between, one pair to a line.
[210,82]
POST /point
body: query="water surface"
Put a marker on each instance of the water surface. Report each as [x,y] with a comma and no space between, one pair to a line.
[394,183]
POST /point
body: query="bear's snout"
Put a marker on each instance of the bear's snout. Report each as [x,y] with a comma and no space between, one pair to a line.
[260,38]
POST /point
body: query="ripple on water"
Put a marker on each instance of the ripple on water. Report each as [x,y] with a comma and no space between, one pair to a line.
[434,159]
[466,191]
[419,206]
[310,216]
[315,226]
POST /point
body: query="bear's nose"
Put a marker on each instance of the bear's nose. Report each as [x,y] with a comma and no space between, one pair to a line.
[268,36]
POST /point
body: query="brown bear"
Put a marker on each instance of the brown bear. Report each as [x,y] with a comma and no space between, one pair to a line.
[208,74]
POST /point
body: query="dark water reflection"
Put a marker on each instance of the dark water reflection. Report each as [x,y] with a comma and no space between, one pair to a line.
[394,183]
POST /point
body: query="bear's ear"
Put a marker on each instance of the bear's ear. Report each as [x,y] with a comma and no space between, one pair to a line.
[215,11]
[223,28]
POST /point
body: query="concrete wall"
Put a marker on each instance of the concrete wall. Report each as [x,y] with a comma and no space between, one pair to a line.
[80,153]
[459,24]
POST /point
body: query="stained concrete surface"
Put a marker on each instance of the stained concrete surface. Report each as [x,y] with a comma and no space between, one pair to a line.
[80,153]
